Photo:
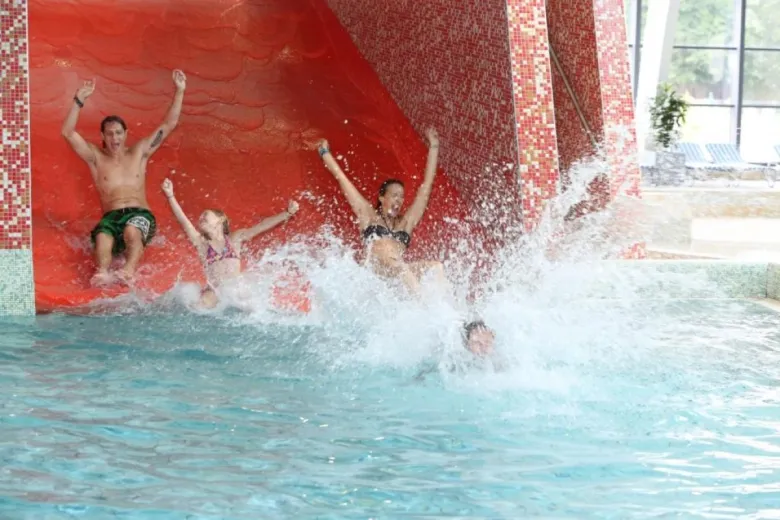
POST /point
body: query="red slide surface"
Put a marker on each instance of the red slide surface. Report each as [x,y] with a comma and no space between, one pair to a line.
[266,79]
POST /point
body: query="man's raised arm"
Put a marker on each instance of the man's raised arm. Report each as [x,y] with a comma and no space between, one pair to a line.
[84,150]
[151,143]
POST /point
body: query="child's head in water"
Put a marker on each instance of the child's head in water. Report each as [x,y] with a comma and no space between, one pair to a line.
[478,338]
[214,224]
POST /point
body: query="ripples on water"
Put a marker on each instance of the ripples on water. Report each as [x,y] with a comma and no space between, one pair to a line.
[670,409]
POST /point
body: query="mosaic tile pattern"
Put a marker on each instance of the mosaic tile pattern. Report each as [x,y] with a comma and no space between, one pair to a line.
[573,40]
[450,62]
[534,108]
[590,42]
[442,62]
[616,95]
[17,293]
[617,104]
[588,38]
[573,140]
[15,226]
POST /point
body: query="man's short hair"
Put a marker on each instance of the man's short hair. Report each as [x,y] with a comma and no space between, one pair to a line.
[112,119]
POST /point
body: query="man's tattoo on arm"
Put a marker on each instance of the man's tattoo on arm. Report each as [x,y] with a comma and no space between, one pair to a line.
[157,139]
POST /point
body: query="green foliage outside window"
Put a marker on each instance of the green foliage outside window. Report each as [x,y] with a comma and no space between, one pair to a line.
[667,115]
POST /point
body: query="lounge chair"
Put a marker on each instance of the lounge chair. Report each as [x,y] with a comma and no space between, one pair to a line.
[728,156]
[697,164]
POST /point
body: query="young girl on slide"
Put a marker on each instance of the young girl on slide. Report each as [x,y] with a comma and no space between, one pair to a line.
[218,248]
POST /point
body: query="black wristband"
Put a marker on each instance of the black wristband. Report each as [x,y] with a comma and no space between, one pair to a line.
[78,101]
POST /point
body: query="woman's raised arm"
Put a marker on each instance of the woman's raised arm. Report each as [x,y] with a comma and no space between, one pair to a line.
[362,208]
[417,209]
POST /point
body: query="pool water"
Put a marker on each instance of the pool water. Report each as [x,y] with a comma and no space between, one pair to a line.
[676,412]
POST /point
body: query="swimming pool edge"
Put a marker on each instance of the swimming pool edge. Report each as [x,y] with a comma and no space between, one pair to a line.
[654,279]
[726,278]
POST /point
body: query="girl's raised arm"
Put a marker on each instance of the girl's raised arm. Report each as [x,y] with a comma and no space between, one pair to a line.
[195,237]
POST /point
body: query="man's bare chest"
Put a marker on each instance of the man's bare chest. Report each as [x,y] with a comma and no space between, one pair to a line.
[125,171]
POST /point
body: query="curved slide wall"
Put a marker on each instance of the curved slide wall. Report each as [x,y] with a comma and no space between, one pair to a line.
[266,79]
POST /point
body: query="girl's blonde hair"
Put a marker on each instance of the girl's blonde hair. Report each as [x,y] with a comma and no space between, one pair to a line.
[225,222]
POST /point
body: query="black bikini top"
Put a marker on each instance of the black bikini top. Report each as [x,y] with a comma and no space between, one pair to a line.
[375,231]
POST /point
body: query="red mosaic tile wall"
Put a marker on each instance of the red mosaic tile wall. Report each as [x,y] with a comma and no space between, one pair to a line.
[616,95]
[617,104]
[589,40]
[573,40]
[455,66]
[534,108]
[15,226]
[573,140]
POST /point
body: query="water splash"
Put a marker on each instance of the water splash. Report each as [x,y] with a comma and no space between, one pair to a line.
[556,298]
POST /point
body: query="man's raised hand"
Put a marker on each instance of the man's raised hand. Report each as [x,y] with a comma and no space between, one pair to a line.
[86,90]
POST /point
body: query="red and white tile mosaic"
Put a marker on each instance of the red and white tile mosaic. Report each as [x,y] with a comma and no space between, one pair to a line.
[616,95]
[572,40]
[534,108]
[15,227]
[588,39]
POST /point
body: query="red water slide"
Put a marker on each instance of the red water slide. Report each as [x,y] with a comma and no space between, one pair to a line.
[266,78]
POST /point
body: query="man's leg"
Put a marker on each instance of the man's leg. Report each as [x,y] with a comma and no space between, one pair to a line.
[134,250]
[104,244]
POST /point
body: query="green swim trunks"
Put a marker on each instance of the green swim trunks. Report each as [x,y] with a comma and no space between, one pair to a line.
[113,223]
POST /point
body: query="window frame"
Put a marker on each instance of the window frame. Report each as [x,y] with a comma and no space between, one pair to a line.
[634,26]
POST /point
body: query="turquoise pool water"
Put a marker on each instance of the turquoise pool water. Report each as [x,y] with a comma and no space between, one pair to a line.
[676,413]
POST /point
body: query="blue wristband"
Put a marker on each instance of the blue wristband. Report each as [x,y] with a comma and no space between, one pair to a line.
[323,151]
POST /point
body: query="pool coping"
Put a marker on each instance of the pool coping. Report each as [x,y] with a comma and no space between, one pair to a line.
[717,278]
[672,279]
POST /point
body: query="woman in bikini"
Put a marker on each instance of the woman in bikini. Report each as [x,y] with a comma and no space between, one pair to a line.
[386,231]
[218,248]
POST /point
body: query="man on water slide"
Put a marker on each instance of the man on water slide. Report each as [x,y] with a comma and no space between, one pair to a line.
[119,173]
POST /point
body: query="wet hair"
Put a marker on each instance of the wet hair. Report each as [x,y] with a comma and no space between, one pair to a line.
[471,326]
[225,222]
[107,121]
[112,119]
[383,189]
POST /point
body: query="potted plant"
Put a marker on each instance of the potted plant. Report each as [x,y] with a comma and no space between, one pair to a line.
[667,115]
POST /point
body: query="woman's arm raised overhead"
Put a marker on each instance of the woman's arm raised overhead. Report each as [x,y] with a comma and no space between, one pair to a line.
[417,209]
[362,208]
